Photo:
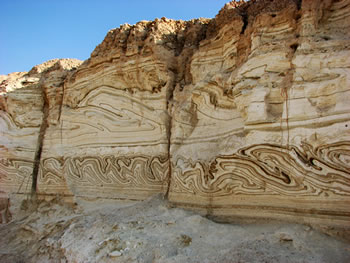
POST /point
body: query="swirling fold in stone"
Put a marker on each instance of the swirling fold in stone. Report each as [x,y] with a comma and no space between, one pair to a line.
[268,169]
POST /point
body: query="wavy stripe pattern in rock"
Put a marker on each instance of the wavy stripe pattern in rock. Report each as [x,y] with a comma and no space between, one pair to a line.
[51,179]
[111,117]
[107,175]
[268,169]
[15,175]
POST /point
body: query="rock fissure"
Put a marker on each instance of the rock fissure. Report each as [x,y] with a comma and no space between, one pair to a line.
[289,77]
[245,22]
[40,143]
[169,127]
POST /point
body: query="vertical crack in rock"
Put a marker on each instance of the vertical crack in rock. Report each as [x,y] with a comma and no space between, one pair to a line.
[186,41]
[170,96]
[60,119]
[244,42]
[288,82]
[40,143]
[245,22]
[299,3]
[169,106]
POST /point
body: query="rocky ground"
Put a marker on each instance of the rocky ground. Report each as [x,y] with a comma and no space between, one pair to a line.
[153,231]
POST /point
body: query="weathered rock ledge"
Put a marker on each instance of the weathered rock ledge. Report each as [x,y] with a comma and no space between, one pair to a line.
[243,115]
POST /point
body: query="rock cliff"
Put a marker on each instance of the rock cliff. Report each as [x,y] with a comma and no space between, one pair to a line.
[242,115]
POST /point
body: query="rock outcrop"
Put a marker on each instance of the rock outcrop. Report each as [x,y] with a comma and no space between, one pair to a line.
[244,115]
[30,102]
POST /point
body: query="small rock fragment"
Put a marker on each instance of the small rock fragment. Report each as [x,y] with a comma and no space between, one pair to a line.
[285,237]
[115,253]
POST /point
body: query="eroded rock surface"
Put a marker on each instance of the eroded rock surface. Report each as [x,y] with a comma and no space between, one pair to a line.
[150,231]
[246,114]
[263,125]
[30,102]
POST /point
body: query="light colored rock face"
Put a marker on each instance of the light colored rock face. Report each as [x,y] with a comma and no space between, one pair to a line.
[112,140]
[264,131]
[23,107]
[246,114]
[21,115]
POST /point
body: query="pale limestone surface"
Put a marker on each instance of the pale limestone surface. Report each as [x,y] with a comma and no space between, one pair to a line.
[151,231]
[22,104]
[265,128]
[246,114]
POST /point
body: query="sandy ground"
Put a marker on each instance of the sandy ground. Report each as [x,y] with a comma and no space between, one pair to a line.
[152,231]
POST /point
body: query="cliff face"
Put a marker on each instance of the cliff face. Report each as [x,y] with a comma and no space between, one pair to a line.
[246,114]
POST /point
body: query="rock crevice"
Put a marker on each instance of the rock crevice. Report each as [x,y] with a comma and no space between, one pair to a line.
[40,143]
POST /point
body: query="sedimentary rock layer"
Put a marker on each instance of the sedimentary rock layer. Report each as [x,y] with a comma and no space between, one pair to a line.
[246,114]
[263,126]
[29,102]
[113,136]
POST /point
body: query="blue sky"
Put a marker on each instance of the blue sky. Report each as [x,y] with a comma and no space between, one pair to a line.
[33,31]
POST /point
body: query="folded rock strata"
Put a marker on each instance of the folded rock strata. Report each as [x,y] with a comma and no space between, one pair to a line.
[245,115]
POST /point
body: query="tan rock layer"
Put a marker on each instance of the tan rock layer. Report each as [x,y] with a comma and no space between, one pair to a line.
[246,114]
[25,98]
